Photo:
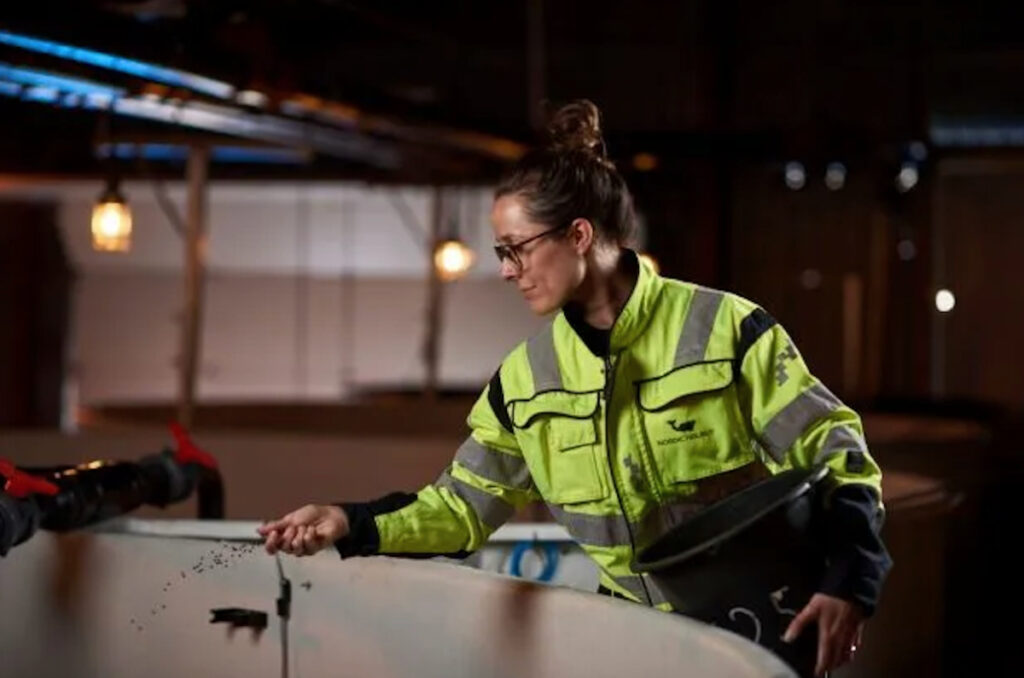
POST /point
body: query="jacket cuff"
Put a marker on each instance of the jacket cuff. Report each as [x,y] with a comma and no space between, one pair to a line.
[363,539]
[858,561]
[842,580]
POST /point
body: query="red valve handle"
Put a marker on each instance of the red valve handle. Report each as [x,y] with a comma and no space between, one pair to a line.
[188,452]
[20,484]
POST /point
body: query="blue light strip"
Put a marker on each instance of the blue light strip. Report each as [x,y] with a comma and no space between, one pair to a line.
[262,156]
[265,128]
[43,95]
[10,89]
[32,77]
[141,69]
[226,154]
[977,131]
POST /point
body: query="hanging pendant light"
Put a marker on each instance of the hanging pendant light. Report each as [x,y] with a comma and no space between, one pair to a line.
[452,259]
[111,221]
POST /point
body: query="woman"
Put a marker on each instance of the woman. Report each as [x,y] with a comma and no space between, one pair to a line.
[643,400]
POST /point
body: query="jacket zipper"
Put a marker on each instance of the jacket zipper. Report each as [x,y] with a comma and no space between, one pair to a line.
[609,384]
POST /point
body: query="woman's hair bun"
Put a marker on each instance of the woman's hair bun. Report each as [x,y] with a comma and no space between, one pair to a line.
[570,177]
[576,127]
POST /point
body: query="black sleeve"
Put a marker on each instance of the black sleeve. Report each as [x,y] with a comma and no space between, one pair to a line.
[858,561]
[363,538]
[751,328]
[496,397]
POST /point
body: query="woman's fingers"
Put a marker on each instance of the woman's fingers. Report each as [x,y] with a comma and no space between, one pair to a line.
[278,525]
[825,649]
[311,541]
[273,542]
[796,627]
[267,527]
[837,643]
[287,536]
[301,532]
[297,541]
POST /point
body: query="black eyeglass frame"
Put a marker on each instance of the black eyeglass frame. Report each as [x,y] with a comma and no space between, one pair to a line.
[512,252]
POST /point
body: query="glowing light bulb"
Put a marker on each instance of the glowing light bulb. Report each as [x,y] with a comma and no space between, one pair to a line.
[452,259]
[945,301]
[111,224]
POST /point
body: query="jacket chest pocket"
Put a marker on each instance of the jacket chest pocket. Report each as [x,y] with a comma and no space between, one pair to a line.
[558,435]
[691,422]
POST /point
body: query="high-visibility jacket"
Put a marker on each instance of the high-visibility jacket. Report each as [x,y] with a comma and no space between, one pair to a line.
[699,392]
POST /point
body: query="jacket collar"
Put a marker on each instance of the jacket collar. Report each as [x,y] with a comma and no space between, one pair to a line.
[632,319]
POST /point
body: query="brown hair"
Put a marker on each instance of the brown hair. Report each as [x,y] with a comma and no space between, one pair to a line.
[571,177]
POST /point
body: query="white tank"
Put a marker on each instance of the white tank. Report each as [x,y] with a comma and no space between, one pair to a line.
[129,605]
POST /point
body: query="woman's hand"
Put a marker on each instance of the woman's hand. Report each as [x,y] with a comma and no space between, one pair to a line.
[305,531]
[840,627]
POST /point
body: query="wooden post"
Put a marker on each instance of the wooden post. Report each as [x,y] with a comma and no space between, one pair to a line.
[435,298]
[195,268]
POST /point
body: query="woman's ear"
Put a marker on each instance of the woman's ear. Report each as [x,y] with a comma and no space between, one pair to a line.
[581,235]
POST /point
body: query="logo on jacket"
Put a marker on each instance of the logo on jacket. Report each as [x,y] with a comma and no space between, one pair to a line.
[636,474]
[687,429]
[789,353]
[682,427]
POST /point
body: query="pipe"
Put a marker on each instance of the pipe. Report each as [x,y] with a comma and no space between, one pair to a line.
[99,490]
[19,514]
[64,498]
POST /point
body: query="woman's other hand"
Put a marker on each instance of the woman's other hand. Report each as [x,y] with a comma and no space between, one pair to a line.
[840,627]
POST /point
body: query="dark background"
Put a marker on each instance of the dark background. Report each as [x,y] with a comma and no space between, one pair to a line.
[723,94]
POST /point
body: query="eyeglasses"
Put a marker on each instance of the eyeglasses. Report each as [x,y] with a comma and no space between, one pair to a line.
[514,252]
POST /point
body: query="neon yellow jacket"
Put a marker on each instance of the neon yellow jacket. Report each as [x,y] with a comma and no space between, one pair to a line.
[700,393]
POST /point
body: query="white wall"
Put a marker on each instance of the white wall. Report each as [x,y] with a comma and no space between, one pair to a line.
[312,289]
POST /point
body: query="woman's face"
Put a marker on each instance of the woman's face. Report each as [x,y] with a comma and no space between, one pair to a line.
[550,268]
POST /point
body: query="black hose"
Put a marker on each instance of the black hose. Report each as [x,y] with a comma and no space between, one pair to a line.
[19,519]
[210,491]
[62,498]
[100,490]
